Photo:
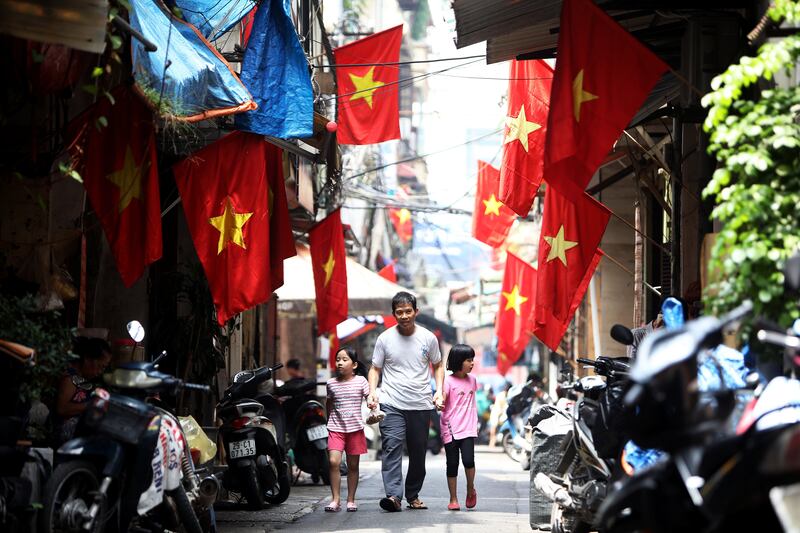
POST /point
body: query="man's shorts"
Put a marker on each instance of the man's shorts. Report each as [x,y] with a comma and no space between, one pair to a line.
[354,443]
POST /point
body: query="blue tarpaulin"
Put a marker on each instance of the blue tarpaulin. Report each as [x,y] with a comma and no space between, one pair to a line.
[276,72]
[198,83]
[214,17]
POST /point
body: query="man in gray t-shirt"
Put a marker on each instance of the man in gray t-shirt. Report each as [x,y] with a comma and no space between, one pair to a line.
[404,355]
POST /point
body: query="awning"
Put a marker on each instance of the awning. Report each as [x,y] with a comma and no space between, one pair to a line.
[368,293]
[530,29]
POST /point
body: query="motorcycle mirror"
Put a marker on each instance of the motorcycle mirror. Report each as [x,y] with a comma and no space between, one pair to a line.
[791,272]
[621,334]
[136,330]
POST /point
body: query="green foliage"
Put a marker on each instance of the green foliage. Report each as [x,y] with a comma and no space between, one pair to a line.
[757,186]
[23,323]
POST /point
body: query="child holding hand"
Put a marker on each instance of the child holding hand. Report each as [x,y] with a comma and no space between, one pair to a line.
[345,428]
[459,422]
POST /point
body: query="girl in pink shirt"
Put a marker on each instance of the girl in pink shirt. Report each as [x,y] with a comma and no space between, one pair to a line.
[459,422]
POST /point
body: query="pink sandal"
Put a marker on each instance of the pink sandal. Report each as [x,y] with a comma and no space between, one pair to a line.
[472,499]
[453,507]
[352,507]
[332,508]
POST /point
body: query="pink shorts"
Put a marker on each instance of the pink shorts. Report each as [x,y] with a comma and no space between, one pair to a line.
[354,443]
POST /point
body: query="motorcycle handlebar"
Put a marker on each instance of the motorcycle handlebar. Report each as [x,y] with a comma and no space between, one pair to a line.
[584,361]
[194,386]
[738,313]
[772,337]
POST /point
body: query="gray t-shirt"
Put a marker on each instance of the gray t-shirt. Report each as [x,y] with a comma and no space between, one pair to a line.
[405,362]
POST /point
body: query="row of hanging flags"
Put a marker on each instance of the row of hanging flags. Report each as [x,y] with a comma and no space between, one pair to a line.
[560,126]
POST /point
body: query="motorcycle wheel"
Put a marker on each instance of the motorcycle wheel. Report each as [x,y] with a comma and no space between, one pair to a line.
[69,494]
[251,490]
[283,486]
[186,516]
[511,449]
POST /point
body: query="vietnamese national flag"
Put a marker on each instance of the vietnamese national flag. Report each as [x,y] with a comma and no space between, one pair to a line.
[491,219]
[568,256]
[603,75]
[329,263]
[403,225]
[388,273]
[523,145]
[235,203]
[517,297]
[367,96]
[120,173]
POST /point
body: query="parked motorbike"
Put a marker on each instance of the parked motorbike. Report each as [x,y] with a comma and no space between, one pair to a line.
[710,481]
[591,457]
[307,426]
[128,466]
[17,510]
[253,435]
[522,401]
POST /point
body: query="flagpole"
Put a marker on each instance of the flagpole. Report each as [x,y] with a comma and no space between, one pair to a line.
[623,267]
[634,228]
[686,82]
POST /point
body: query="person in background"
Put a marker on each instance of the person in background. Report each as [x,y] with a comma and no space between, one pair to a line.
[459,423]
[498,408]
[294,369]
[75,386]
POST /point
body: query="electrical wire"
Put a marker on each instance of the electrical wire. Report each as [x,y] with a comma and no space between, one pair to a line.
[398,63]
[381,167]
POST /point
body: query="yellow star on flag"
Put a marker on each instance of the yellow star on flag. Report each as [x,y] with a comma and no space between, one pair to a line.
[328,268]
[514,300]
[579,96]
[230,224]
[403,216]
[128,179]
[365,86]
[559,246]
[519,128]
[493,206]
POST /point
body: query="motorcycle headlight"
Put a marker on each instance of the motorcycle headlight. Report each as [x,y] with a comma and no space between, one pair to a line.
[126,378]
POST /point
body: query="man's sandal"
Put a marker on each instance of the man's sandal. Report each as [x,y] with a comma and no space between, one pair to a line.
[391,504]
[417,504]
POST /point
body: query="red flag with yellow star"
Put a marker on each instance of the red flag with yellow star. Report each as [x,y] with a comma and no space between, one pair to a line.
[367,96]
[603,75]
[329,263]
[235,203]
[568,255]
[403,225]
[491,219]
[120,172]
[523,142]
[517,297]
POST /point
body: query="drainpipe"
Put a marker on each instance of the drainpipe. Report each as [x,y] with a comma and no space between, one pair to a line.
[677,179]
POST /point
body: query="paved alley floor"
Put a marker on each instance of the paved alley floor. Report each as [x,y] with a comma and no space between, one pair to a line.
[501,483]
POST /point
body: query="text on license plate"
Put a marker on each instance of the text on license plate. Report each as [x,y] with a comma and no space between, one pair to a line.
[317,432]
[243,448]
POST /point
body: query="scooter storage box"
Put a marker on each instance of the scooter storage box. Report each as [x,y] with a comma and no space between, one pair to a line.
[550,431]
[124,419]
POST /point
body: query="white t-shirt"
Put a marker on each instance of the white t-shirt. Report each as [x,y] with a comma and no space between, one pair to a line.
[405,362]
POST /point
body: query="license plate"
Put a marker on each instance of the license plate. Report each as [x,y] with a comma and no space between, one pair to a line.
[243,448]
[317,432]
